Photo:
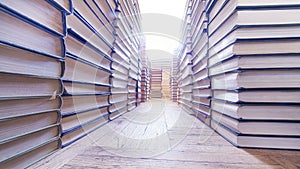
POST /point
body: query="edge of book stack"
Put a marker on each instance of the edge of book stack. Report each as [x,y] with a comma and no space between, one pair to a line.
[258,75]
[173,80]
[127,46]
[156,83]
[86,81]
[185,76]
[201,81]
[165,84]
[145,79]
[145,85]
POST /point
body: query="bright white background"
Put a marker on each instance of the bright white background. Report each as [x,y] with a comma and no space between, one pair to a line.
[174,8]
[169,7]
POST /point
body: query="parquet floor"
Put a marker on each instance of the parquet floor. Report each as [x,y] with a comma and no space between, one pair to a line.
[159,134]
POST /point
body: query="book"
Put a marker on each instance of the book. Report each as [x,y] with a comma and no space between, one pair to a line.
[133,75]
[253,32]
[275,142]
[123,35]
[115,98]
[78,48]
[119,57]
[186,71]
[198,11]
[187,88]
[200,44]
[256,62]
[21,144]
[79,25]
[155,94]
[131,107]
[132,96]
[79,103]
[79,88]
[255,96]
[19,31]
[200,55]
[16,86]
[132,89]
[186,81]
[119,90]
[186,104]
[97,25]
[18,107]
[16,127]
[79,132]
[257,111]
[203,109]
[202,100]
[122,47]
[119,83]
[117,106]
[77,70]
[203,74]
[263,47]
[119,67]
[214,7]
[201,112]
[119,75]
[108,8]
[42,13]
[206,92]
[199,63]
[99,11]
[72,121]
[254,127]
[120,112]
[35,154]
[257,79]
[20,61]
[253,17]
[202,84]
[156,83]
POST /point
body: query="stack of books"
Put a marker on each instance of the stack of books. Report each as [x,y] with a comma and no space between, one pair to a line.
[201,81]
[185,74]
[145,77]
[128,30]
[66,69]
[173,80]
[120,89]
[145,86]
[165,84]
[139,81]
[31,66]
[174,89]
[245,57]
[87,74]
[254,68]
[155,83]
[185,82]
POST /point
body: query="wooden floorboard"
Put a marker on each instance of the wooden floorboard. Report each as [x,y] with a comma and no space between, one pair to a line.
[159,134]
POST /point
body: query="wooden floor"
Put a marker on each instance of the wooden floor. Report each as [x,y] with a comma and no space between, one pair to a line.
[159,134]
